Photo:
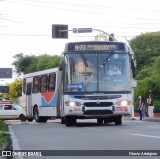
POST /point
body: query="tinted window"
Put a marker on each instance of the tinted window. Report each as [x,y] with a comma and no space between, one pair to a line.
[52,82]
[35,84]
[29,85]
[24,85]
[43,84]
[7,107]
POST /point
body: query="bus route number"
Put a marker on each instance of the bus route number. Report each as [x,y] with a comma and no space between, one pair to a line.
[80,47]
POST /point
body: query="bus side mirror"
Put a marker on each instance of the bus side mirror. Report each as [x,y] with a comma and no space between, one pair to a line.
[133,67]
[134,83]
[60,67]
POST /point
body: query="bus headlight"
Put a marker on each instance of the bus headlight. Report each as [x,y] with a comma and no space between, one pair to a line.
[123,103]
[72,103]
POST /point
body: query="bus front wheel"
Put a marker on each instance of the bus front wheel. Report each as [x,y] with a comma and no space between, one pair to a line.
[70,121]
[99,120]
[118,120]
[63,120]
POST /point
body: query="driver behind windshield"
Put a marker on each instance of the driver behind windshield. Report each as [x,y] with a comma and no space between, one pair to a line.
[114,70]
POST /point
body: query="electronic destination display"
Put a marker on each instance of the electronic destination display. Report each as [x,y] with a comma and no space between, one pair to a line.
[95,46]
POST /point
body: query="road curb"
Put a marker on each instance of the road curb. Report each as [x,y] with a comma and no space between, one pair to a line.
[152,119]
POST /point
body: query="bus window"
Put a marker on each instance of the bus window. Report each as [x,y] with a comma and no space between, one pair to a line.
[29,85]
[52,82]
[24,85]
[43,84]
[35,85]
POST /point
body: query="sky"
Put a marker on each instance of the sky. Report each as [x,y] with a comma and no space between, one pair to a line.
[25,25]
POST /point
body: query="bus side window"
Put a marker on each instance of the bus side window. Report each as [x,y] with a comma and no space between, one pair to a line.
[43,83]
[24,85]
[29,88]
[52,82]
[35,85]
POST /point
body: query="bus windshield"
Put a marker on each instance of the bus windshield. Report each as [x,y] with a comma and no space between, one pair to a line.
[96,72]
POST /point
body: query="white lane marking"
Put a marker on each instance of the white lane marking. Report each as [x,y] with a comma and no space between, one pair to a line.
[95,129]
[151,136]
[15,142]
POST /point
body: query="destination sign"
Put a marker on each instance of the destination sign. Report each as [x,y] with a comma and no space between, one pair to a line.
[95,46]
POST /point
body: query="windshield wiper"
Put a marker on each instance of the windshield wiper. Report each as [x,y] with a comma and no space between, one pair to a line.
[106,59]
[84,59]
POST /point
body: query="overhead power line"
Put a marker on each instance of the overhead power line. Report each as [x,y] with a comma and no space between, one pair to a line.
[25,35]
[89,5]
[80,11]
[12,20]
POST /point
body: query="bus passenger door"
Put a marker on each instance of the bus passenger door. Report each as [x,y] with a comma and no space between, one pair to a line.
[29,99]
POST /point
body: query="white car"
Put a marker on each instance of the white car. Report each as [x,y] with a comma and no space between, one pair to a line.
[10,111]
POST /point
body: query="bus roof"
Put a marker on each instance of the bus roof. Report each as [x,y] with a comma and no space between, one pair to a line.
[40,72]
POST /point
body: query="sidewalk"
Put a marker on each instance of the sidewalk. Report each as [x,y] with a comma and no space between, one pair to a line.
[151,119]
[156,117]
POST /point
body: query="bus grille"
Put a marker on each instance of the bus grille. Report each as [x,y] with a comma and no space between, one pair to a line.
[98,112]
[101,104]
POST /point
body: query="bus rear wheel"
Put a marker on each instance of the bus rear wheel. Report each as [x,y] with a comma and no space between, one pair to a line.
[37,117]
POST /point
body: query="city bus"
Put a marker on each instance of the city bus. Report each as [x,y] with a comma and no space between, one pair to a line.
[93,81]
[39,95]
[97,81]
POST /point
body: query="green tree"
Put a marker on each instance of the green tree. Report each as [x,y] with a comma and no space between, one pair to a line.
[22,63]
[145,47]
[30,63]
[147,52]
[15,90]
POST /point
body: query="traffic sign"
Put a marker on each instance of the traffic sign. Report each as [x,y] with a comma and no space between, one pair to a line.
[5,72]
[4,89]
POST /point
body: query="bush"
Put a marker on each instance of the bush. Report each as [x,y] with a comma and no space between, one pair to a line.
[156,106]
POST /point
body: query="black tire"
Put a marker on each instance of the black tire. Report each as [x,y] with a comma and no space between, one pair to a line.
[37,118]
[63,120]
[70,121]
[43,119]
[22,117]
[36,115]
[30,119]
[99,120]
[106,121]
[118,120]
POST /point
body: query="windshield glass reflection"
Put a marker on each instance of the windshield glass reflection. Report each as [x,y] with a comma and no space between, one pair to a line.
[101,72]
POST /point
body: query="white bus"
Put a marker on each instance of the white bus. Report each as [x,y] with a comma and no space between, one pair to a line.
[94,81]
[39,95]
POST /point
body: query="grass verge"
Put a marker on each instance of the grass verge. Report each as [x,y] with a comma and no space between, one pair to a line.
[4,136]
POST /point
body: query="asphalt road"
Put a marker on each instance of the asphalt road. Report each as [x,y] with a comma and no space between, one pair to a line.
[87,135]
